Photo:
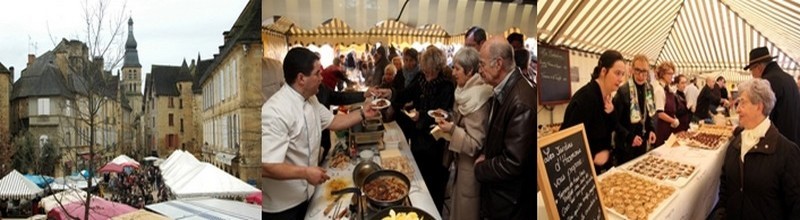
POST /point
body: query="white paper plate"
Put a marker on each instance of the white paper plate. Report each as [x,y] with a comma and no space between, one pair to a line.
[375,104]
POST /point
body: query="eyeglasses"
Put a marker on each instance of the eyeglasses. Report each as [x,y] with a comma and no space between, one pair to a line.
[640,71]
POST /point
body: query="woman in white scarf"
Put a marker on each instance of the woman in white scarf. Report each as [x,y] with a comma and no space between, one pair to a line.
[467,131]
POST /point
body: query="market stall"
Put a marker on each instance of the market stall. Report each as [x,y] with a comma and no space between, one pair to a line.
[16,186]
[206,208]
[696,158]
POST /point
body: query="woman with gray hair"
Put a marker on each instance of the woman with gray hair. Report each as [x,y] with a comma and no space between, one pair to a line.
[761,171]
[467,130]
[431,91]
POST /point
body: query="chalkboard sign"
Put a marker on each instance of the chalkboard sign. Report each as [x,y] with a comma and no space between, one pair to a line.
[554,79]
[566,176]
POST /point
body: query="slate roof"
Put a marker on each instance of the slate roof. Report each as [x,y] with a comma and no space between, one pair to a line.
[42,78]
[131,54]
[202,67]
[165,78]
[3,69]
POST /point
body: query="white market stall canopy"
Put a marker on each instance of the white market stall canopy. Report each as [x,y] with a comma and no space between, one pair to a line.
[455,16]
[699,36]
[16,186]
[187,177]
[206,208]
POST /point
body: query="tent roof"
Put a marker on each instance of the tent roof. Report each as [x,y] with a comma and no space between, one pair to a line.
[100,209]
[206,208]
[124,159]
[141,214]
[698,36]
[65,197]
[208,180]
[16,186]
[455,17]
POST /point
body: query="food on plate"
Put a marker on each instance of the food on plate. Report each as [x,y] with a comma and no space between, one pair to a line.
[336,184]
[340,161]
[399,163]
[380,103]
[386,188]
[402,216]
[632,196]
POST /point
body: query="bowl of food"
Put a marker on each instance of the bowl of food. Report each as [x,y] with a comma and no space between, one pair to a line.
[400,213]
[381,103]
[386,188]
[438,114]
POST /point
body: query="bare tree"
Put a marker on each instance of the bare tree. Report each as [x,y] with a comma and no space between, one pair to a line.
[104,31]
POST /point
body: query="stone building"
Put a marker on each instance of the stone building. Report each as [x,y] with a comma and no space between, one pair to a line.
[52,97]
[232,99]
[168,110]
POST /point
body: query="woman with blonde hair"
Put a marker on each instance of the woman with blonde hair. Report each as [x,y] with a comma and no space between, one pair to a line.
[467,130]
[666,105]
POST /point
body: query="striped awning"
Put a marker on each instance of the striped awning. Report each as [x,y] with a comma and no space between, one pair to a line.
[16,186]
[454,16]
[699,36]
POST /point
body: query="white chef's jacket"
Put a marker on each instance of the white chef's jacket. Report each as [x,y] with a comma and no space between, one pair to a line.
[290,133]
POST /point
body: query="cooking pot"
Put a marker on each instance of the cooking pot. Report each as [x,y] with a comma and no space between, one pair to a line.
[375,202]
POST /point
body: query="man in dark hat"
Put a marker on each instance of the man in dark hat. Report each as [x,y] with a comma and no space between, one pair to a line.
[787,97]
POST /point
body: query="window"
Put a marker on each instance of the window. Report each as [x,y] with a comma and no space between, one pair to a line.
[180,103]
[170,120]
[68,109]
[44,106]
[181,125]
[171,103]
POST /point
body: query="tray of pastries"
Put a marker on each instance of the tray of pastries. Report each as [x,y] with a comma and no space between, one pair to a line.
[675,173]
[702,140]
[629,196]
[725,131]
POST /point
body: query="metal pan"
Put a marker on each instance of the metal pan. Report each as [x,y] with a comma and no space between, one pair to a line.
[388,174]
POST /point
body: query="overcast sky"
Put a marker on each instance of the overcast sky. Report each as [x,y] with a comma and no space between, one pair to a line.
[166,31]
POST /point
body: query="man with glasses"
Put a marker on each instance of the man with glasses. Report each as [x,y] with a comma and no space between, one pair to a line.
[635,107]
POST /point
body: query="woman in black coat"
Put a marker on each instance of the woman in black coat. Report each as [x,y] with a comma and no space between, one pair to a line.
[432,91]
[764,182]
[592,106]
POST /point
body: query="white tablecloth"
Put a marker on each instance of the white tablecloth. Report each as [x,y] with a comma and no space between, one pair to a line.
[419,195]
[694,200]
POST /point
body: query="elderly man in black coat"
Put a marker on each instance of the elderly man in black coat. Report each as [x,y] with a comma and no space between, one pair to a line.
[787,103]
[509,153]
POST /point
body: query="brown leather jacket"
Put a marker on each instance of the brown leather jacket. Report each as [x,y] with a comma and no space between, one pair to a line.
[507,176]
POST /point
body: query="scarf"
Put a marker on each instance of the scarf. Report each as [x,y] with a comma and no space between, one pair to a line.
[636,115]
[473,95]
[409,74]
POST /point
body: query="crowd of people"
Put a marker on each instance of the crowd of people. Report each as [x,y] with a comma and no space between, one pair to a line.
[758,178]
[488,88]
[136,188]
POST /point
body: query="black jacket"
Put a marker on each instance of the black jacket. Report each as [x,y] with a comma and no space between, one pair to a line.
[507,190]
[787,102]
[705,99]
[587,107]
[766,185]
[625,130]
[328,97]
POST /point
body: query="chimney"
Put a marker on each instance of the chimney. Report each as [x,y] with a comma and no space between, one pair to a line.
[11,69]
[226,36]
[98,63]
[31,58]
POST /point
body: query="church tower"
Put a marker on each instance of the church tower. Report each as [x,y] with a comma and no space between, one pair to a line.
[131,75]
